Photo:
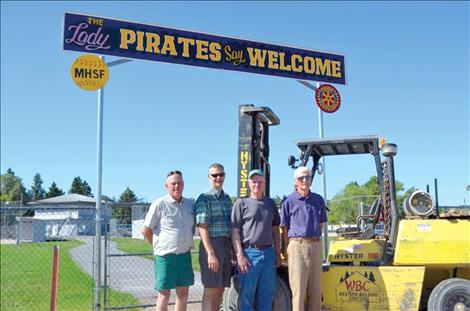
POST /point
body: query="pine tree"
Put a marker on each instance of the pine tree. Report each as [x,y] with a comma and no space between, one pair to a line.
[86,189]
[37,192]
[128,196]
[80,187]
[124,212]
[76,185]
[54,191]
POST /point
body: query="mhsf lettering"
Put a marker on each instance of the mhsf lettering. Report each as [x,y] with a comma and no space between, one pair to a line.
[89,73]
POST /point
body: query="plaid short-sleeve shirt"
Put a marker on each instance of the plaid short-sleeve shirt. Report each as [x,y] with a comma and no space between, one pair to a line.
[214,208]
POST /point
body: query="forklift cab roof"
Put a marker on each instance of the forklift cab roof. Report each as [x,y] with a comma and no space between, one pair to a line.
[340,146]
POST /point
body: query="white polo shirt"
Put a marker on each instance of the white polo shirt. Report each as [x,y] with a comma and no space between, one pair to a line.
[172,224]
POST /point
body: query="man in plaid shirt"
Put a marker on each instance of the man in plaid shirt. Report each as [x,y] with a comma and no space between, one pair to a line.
[213,211]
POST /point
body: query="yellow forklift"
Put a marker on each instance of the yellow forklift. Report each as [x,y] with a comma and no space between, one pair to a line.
[421,262]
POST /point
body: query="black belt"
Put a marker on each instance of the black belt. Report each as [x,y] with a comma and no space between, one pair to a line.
[256,246]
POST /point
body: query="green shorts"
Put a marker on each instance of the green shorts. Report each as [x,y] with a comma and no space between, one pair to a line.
[173,271]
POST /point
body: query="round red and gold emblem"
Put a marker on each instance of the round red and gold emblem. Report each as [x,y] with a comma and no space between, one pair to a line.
[327,98]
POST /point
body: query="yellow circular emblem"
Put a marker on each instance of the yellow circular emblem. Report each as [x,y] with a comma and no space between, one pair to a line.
[89,72]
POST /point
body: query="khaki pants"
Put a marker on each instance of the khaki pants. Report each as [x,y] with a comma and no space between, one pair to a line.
[305,269]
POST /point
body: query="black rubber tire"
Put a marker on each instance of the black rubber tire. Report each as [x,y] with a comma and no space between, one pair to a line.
[230,298]
[282,300]
[450,295]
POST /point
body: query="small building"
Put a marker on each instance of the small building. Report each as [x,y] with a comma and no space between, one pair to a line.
[61,217]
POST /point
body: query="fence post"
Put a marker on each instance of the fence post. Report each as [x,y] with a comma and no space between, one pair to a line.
[17,231]
[55,275]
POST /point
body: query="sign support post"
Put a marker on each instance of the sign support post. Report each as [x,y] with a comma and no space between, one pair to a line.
[322,161]
[99,174]
[99,160]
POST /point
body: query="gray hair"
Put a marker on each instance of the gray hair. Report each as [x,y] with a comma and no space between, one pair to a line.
[217,165]
[301,170]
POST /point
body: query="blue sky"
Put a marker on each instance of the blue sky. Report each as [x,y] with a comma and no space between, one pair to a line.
[407,73]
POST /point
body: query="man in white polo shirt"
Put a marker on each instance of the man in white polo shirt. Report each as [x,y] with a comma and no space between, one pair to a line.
[168,227]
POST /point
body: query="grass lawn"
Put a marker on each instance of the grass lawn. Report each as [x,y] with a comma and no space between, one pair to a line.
[130,245]
[26,278]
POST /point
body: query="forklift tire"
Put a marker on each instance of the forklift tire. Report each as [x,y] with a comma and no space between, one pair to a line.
[230,297]
[282,300]
[449,295]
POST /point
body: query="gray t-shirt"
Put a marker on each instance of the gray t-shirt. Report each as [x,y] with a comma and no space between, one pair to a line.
[255,219]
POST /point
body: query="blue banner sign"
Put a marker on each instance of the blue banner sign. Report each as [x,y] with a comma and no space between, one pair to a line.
[93,34]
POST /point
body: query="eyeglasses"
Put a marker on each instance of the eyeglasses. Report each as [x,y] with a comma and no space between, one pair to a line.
[217,175]
[173,173]
[306,177]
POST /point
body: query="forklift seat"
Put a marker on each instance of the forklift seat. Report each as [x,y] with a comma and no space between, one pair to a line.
[372,217]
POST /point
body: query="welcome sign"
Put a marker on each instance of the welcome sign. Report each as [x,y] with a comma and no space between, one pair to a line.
[93,34]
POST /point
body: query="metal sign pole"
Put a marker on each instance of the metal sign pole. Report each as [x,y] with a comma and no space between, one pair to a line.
[322,161]
[99,156]
[99,170]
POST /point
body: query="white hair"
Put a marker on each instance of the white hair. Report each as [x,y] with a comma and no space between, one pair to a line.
[301,170]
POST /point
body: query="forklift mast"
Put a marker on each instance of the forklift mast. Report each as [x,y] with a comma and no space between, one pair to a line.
[253,144]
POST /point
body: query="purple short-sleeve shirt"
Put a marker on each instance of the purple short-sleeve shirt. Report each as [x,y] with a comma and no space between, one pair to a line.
[303,215]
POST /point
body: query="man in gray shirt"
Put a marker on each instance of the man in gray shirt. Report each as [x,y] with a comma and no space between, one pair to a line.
[168,227]
[255,229]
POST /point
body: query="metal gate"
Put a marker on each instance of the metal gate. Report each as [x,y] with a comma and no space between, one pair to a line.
[128,264]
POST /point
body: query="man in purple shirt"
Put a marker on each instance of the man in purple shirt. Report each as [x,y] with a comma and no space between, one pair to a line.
[303,214]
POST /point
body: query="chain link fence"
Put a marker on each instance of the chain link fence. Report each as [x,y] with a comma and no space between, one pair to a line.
[129,262]
[29,233]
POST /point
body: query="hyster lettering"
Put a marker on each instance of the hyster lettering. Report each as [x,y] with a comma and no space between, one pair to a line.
[243,173]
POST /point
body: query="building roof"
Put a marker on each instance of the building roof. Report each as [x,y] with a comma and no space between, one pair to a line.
[71,198]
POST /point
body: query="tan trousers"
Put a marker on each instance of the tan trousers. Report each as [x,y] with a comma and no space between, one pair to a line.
[305,269]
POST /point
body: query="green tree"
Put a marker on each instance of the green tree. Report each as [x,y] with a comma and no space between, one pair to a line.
[128,196]
[344,206]
[37,192]
[11,187]
[123,212]
[54,191]
[80,186]
[277,199]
